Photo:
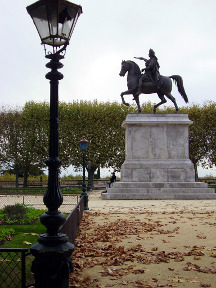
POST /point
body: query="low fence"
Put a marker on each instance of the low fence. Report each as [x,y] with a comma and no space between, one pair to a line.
[38,183]
[43,183]
[70,227]
[12,267]
[210,181]
[69,201]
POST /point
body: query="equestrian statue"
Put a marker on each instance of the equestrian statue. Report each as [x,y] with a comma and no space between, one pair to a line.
[150,81]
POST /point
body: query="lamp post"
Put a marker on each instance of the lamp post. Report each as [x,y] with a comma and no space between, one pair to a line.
[84,145]
[89,176]
[55,21]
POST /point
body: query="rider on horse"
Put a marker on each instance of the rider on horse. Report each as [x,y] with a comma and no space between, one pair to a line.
[151,72]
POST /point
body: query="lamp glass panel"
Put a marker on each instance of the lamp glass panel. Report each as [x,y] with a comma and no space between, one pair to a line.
[39,16]
[52,15]
[55,20]
[67,16]
[83,145]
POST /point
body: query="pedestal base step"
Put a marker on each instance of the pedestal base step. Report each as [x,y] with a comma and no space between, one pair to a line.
[154,191]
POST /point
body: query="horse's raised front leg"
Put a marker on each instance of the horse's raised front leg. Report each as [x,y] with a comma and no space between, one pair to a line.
[123,101]
[163,100]
[128,92]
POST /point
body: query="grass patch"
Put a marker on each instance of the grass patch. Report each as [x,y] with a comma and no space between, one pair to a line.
[25,228]
[22,191]
[71,190]
[25,237]
[20,236]
[6,234]
[18,232]
[19,214]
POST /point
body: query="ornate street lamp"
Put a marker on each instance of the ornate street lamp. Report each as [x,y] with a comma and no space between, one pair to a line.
[55,21]
[84,145]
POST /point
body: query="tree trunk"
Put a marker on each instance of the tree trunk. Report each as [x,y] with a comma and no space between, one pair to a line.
[17,176]
[91,170]
[17,179]
[25,180]
[91,179]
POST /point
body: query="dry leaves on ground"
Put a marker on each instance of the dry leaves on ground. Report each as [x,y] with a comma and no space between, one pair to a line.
[119,251]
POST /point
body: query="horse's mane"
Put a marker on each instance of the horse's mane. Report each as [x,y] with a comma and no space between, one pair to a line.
[136,67]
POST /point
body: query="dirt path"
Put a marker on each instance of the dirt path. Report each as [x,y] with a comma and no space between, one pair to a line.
[152,243]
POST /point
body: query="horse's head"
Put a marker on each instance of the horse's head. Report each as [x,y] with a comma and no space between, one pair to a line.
[124,68]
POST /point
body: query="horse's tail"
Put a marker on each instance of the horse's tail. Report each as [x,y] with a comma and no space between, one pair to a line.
[179,83]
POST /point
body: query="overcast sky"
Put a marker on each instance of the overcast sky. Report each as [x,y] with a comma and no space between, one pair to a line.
[181,32]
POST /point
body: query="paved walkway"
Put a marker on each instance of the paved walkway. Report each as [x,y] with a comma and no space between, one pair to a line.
[97,204]
[146,243]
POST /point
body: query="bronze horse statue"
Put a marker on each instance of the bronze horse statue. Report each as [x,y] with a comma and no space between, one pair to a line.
[148,87]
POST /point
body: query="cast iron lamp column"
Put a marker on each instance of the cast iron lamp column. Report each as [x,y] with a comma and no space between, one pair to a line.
[89,180]
[84,145]
[55,21]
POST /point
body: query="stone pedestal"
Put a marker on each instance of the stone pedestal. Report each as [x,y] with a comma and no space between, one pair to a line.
[157,164]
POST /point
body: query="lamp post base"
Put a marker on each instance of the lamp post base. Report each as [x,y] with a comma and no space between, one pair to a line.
[85,196]
[52,265]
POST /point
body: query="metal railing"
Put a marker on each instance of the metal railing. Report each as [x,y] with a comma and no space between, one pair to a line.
[70,227]
[43,183]
[12,267]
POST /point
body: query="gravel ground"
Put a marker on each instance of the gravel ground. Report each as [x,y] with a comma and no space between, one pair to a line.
[146,244]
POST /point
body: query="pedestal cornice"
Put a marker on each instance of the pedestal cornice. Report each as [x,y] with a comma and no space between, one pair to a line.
[156,119]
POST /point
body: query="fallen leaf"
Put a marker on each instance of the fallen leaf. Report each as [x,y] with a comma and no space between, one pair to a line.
[177,280]
[201,236]
[171,269]
[27,243]
[212,254]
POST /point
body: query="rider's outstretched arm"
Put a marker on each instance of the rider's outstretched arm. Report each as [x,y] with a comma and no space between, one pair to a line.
[141,58]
